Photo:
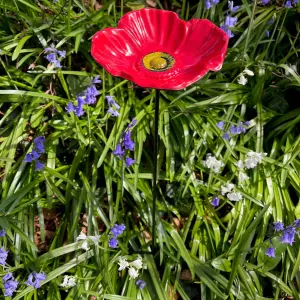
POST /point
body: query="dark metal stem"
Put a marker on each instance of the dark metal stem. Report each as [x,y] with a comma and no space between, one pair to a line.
[155,162]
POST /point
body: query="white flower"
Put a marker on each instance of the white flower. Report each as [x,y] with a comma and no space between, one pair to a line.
[212,163]
[133,273]
[239,164]
[227,188]
[94,238]
[138,264]
[82,236]
[242,80]
[253,159]
[248,72]
[293,67]
[123,263]
[68,281]
[85,245]
[235,196]
[243,176]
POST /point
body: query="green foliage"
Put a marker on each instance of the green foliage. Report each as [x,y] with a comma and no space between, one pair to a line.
[202,251]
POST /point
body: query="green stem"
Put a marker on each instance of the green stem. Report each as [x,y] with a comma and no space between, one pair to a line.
[155,161]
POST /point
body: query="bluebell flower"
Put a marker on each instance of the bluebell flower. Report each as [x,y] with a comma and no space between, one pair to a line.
[288,4]
[3,256]
[208,4]
[113,243]
[230,21]
[119,151]
[113,112]
[52,57]
[39,166]
[233,129]
[265,2]
[297,223]
[295,2]
[34,279]
[215,201]
[127,141]
[2,232]
[97,80]
[70,107]
[226,136]
[118,230]
[288,235]
[133,122]
[10,284]
[227,30]
[267,33]
[220,125]
[278,226]
[247,123]
[129,161]
[111,102]
[79,111]
[140,284]
[231,6]
[270,252]
[28,158]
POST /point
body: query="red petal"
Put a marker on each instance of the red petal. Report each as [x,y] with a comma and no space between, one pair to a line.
[116,51]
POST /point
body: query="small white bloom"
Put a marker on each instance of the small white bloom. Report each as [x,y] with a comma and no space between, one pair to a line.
[138,264]
[249,72]
[227,188]
[239,164]
[82,236]
[212,163]
[94,238]
[243,176]
[68,281]
[235,196]
[253,159]
[85,245]
[123,263]
[133,273]
[242,80]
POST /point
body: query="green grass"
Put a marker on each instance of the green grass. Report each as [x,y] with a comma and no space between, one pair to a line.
[86,186]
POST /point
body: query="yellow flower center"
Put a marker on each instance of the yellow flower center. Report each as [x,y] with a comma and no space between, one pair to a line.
[158,61]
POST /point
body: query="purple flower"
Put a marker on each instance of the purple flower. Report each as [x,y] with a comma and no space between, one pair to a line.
[231,6]
[264,2]
[112,102]
[288,235]
[113,112]
[51,57]
[97,80]
[247,123]
[233,129]
[79,111]
[270,252]
[118,229]
[227,31]
[297,223]
[39,166]
[220,125]
[129,161]
[28,158]
[119,151]
[240,129]
[215,201]
[295,2]
[113,243]
[35,278]
[267,33]
[140,284]
[91,93]
[288,4]
[230,21]
[2,232]
[62,53]
[278,226]
[70,107]
[51,49]
[208,4]
[10,284]
[133,122]
[127,141]
[3,256]
[226,136]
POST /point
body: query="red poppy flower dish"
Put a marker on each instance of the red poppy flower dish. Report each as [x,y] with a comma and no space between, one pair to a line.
[156,49]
